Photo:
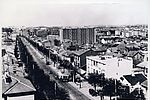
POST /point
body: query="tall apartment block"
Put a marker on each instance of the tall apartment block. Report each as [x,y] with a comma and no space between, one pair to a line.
[81,36]
[56,32]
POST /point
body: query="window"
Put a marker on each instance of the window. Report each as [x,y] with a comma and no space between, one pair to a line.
[120,59]
[94,63]
[102,58]
[146,70]
[78,58]
[94,70]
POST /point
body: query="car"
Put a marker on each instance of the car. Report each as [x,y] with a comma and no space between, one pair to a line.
[93,92]
[47,63]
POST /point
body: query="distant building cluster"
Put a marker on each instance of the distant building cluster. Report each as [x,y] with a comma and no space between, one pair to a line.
[89,34]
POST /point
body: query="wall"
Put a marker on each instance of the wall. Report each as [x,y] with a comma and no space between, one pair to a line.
[28,97]
[113,67]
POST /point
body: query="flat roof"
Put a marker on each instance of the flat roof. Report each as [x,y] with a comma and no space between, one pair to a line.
[98,58]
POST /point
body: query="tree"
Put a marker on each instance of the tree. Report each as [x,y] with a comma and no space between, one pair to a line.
[16,51]
[3,29]
[97,80]
[101,79]
[62,94]
[35,30]
[29,33]
[54,58]
[114,87]
[109,88]
[65,64]
[8,31]
[57,42]
[123,91]
[93,79]
[137,94]
[100,93]
[3,52]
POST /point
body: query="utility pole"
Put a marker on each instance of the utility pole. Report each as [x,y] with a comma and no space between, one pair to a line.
[55,85]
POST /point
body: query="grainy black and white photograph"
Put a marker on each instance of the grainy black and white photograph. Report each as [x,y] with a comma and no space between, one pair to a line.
[74,50]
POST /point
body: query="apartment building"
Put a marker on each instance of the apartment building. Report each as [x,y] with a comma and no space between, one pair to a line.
[112,67]
[80,35]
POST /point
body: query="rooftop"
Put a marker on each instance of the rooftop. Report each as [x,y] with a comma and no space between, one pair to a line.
[18,85]
[115,54]
[66,53]
[134,79]
[133,53]
[80,52]
[132,44]
[143,64]
[145,83]
[99,49]
[102,59]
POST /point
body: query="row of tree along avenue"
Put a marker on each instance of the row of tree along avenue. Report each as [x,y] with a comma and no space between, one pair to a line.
[47,89]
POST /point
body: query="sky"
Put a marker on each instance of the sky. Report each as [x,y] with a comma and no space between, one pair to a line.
[73,12]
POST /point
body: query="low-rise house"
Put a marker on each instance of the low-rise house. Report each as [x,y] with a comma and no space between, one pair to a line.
[145,88]
[133,46]
[145,54]
[137,57]
[118,48]
[68,55]
[134,81]
[47,43]
[112,67]
[99,51]
[17,88]
[42,32]
[80,57]
[143,46]
[144,66]
[145,84]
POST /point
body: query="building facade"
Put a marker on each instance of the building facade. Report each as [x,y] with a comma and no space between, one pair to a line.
[80,58]
[80,36]
[112,67]
[55,32]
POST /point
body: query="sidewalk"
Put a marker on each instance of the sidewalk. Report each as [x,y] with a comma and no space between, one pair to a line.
[85,86]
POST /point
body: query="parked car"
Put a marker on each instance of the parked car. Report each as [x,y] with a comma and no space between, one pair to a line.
[93,92]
